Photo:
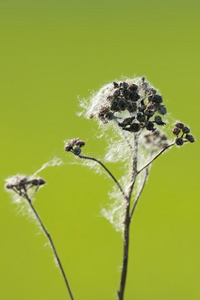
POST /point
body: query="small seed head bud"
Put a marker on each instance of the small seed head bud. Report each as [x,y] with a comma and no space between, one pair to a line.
[179,125]
[179,141]
[186,129]
[34,181]
[159,120]
[77,150]
[41,181]
[115,84]
[68,147]
[80,143]
[190,138]
[133,87]
[162,109]
[176,131]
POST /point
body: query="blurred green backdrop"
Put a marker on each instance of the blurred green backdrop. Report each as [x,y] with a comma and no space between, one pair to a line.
[51,52]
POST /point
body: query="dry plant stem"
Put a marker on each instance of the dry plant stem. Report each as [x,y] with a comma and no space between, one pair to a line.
[52,245]
[139,194]
[127,219]
[164,149]
[106,169]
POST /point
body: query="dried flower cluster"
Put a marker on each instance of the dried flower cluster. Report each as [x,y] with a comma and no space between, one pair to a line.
[182,134]
[74,146]
[156,140]
[133,106]
[21,184]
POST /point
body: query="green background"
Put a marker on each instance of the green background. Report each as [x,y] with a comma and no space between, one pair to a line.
[52,51]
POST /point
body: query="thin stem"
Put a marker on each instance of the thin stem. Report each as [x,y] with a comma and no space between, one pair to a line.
[106,169]
[52,245]
[134,174]
[140,192]
[164,149]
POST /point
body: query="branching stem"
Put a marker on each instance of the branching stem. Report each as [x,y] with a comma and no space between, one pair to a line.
[51,243]
[164,149]
[106,169]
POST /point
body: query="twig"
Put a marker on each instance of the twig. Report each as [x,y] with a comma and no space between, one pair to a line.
[106,169]
[134,174]
[51,243]
[139,194]
[164,149]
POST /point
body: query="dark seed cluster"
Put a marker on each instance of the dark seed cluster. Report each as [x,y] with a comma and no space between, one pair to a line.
[156,139]
[74,146]
[23,183]
[182,133]
[142,104]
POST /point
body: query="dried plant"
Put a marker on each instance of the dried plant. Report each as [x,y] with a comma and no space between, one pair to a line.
[26,187]
[130,116]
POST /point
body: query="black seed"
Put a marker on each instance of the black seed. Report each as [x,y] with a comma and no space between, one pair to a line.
[77,151]
[179,141]
[115,84]
[149,113]
[179,125]
[135,127]
[156,98]
[159,120]
[176,131]
[186,129]
[133,87]
[190,138]
[132,107]
[133,96]
[68,147]
[162,109]
[116,93]
[140,117]
[149,125]
[122,104]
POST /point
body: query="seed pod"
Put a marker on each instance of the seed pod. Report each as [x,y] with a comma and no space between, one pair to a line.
[115,84]
[41,181]
[155,98]
[116,93]
[179,125]
[133,87]
[126,122]
[149,125]
[122,104]
[140,117]
[159,120]
[68,147]
[162,109]
[132,107]
[149,113]
[80,143]
[133,96]
[135,127]
[77,151]
[179,141]
[176,131]
[190,138]
[34,181]
[186,129]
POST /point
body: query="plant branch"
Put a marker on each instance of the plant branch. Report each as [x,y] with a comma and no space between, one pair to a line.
[106,169]
[164,149]
[134,174]
[139,194]
[51,243]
